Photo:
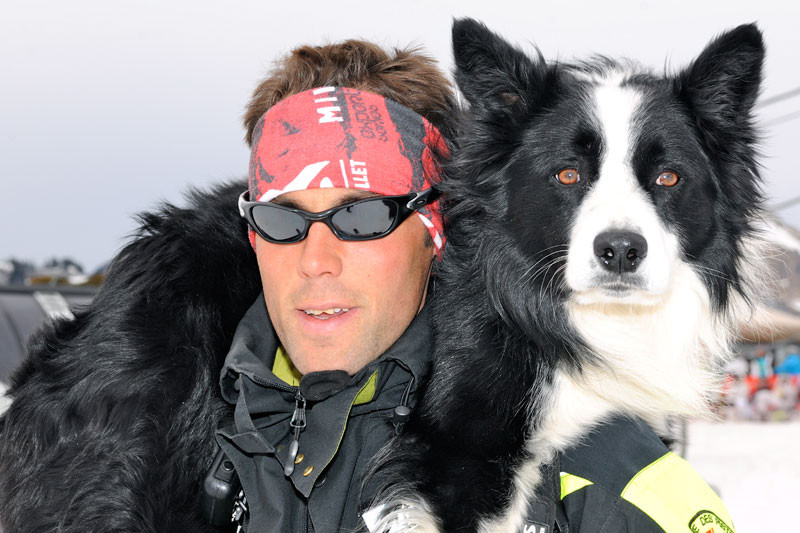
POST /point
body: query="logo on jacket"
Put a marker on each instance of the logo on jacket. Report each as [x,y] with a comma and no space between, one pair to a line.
[708,522]
[535,528]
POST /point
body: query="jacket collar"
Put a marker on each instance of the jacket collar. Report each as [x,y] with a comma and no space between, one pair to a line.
[265,404]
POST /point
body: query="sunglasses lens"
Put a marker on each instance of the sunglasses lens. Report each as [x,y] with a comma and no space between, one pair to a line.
[278,224]
[366,219]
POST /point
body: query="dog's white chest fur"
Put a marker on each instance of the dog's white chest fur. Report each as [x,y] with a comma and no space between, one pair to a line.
[655,361]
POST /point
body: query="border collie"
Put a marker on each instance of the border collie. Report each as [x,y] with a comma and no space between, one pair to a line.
[601,248]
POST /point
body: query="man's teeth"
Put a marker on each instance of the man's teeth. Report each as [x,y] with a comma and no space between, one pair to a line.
[332,311]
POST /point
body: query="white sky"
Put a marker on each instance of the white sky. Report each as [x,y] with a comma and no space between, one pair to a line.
[107,108]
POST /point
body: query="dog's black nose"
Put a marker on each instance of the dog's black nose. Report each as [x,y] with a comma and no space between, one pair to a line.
[620,251]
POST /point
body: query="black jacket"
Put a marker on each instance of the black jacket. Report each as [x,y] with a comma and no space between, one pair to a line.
[348,420]
[623,479]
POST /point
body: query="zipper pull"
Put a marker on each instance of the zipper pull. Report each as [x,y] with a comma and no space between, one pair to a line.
[297,424]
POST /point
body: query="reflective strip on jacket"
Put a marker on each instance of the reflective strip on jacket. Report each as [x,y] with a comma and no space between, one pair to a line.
[622,478]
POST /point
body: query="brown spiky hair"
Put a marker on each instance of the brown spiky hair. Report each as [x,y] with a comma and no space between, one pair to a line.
[407,76]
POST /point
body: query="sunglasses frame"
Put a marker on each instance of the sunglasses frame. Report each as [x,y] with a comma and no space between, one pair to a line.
[406,204]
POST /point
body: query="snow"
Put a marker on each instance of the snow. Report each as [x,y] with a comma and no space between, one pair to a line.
[755,467]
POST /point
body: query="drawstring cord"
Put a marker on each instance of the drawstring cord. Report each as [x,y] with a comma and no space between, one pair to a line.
[402,411]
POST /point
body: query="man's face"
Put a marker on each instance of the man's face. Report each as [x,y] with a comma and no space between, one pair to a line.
[372,288]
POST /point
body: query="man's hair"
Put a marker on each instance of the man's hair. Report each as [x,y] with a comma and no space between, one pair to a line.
[408,77]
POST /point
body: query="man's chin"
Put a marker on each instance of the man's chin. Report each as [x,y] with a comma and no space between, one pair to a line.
[330,343]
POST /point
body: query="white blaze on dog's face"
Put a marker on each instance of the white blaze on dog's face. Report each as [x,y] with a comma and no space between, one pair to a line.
[668,171]
[620,250]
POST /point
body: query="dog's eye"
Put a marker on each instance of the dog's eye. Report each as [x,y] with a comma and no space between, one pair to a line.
[667,179]
[568,176]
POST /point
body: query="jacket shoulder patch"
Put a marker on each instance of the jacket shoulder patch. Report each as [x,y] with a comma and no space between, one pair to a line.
[674,495]
[708,522]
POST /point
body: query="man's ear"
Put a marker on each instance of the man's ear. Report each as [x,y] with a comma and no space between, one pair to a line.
[428,280]
[722,84]
[492,74]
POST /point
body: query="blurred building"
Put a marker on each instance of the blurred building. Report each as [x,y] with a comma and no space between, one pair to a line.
[14,272]
[778,316]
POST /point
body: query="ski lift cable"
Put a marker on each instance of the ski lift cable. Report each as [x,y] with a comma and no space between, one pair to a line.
[783,205]
[779,97]
[781,119]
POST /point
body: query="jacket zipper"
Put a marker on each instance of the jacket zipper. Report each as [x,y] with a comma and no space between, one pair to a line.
[297,423]
[274,384]
[309,525]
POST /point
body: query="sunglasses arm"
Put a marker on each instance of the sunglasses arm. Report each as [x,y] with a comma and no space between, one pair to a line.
[419,200]
[242,201]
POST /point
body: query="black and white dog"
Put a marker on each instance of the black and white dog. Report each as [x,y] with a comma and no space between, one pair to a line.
[601,246]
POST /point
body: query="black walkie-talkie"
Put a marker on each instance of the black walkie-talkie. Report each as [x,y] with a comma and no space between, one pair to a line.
[220,488]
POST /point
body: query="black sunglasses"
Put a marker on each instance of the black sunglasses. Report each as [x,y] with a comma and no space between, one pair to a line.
[362,220]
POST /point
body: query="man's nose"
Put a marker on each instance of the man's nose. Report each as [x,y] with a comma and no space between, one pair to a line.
[321,252]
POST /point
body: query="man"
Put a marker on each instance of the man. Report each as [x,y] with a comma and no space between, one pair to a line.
[116,414]
[346,230]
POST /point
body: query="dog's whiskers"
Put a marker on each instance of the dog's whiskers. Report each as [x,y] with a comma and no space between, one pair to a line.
[559,249]
[713,272]
[549,288]
[528,277]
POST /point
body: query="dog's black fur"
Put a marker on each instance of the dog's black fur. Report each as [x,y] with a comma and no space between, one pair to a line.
[499,335]
[113,419]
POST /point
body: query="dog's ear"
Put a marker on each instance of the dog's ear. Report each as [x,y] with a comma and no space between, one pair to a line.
[490,72]
[722,84]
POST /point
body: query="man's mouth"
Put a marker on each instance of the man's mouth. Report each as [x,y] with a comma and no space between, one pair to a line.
[325,314]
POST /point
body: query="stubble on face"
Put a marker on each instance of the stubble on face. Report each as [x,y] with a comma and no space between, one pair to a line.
[338,305]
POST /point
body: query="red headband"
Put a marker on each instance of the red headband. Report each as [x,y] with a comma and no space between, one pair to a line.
[337,137]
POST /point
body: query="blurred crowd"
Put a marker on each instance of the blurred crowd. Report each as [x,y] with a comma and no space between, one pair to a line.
[763,384]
